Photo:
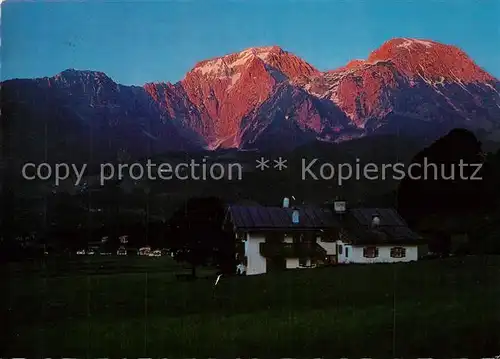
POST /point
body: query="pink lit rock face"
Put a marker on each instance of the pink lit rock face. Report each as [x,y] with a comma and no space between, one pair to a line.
[259,98]
[220,95]
[417,79]
[408,85]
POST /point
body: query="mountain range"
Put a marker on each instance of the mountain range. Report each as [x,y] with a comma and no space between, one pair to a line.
[262,98]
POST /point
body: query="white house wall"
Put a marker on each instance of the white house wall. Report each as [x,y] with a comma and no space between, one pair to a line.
[293,263]
[256,263]
[341,256]
[355,254]
[329,247]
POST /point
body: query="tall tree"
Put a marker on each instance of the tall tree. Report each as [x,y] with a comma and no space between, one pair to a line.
[196,234]
[450,201]
[443,187]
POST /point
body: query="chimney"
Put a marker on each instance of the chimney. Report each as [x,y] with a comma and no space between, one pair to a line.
[339,206]
[295,216]
[375,220]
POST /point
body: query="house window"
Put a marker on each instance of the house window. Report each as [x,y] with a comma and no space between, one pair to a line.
[370,252]
[398,252]
[347,252]
[339,247]
[302,262]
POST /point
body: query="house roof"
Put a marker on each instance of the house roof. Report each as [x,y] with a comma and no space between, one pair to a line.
[388,216]
[268,218]
[392,229]
[383,235]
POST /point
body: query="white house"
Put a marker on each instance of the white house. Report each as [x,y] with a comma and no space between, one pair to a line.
[277,238]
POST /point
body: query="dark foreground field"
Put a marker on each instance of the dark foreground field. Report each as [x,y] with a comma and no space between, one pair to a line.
[442,308]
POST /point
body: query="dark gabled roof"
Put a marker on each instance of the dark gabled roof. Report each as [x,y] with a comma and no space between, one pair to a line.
[391,230]
[383,235]
[388,216]
[357,221]
[268,218]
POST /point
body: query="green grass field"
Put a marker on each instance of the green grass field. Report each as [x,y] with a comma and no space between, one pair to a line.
[441,308]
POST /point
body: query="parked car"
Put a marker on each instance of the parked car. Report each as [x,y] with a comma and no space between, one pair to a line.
[156,253]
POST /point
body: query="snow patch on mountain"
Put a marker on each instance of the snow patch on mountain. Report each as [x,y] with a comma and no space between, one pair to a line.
[408,43]
[225,66]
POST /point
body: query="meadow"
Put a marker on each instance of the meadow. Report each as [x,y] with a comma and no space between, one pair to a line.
[133,306]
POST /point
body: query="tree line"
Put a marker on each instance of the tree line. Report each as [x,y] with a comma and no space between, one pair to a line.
[460,214]
[457,215]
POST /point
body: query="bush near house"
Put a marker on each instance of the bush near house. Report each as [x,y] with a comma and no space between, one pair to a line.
[438,308]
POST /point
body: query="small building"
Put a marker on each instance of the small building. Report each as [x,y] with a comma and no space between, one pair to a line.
[277,238]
